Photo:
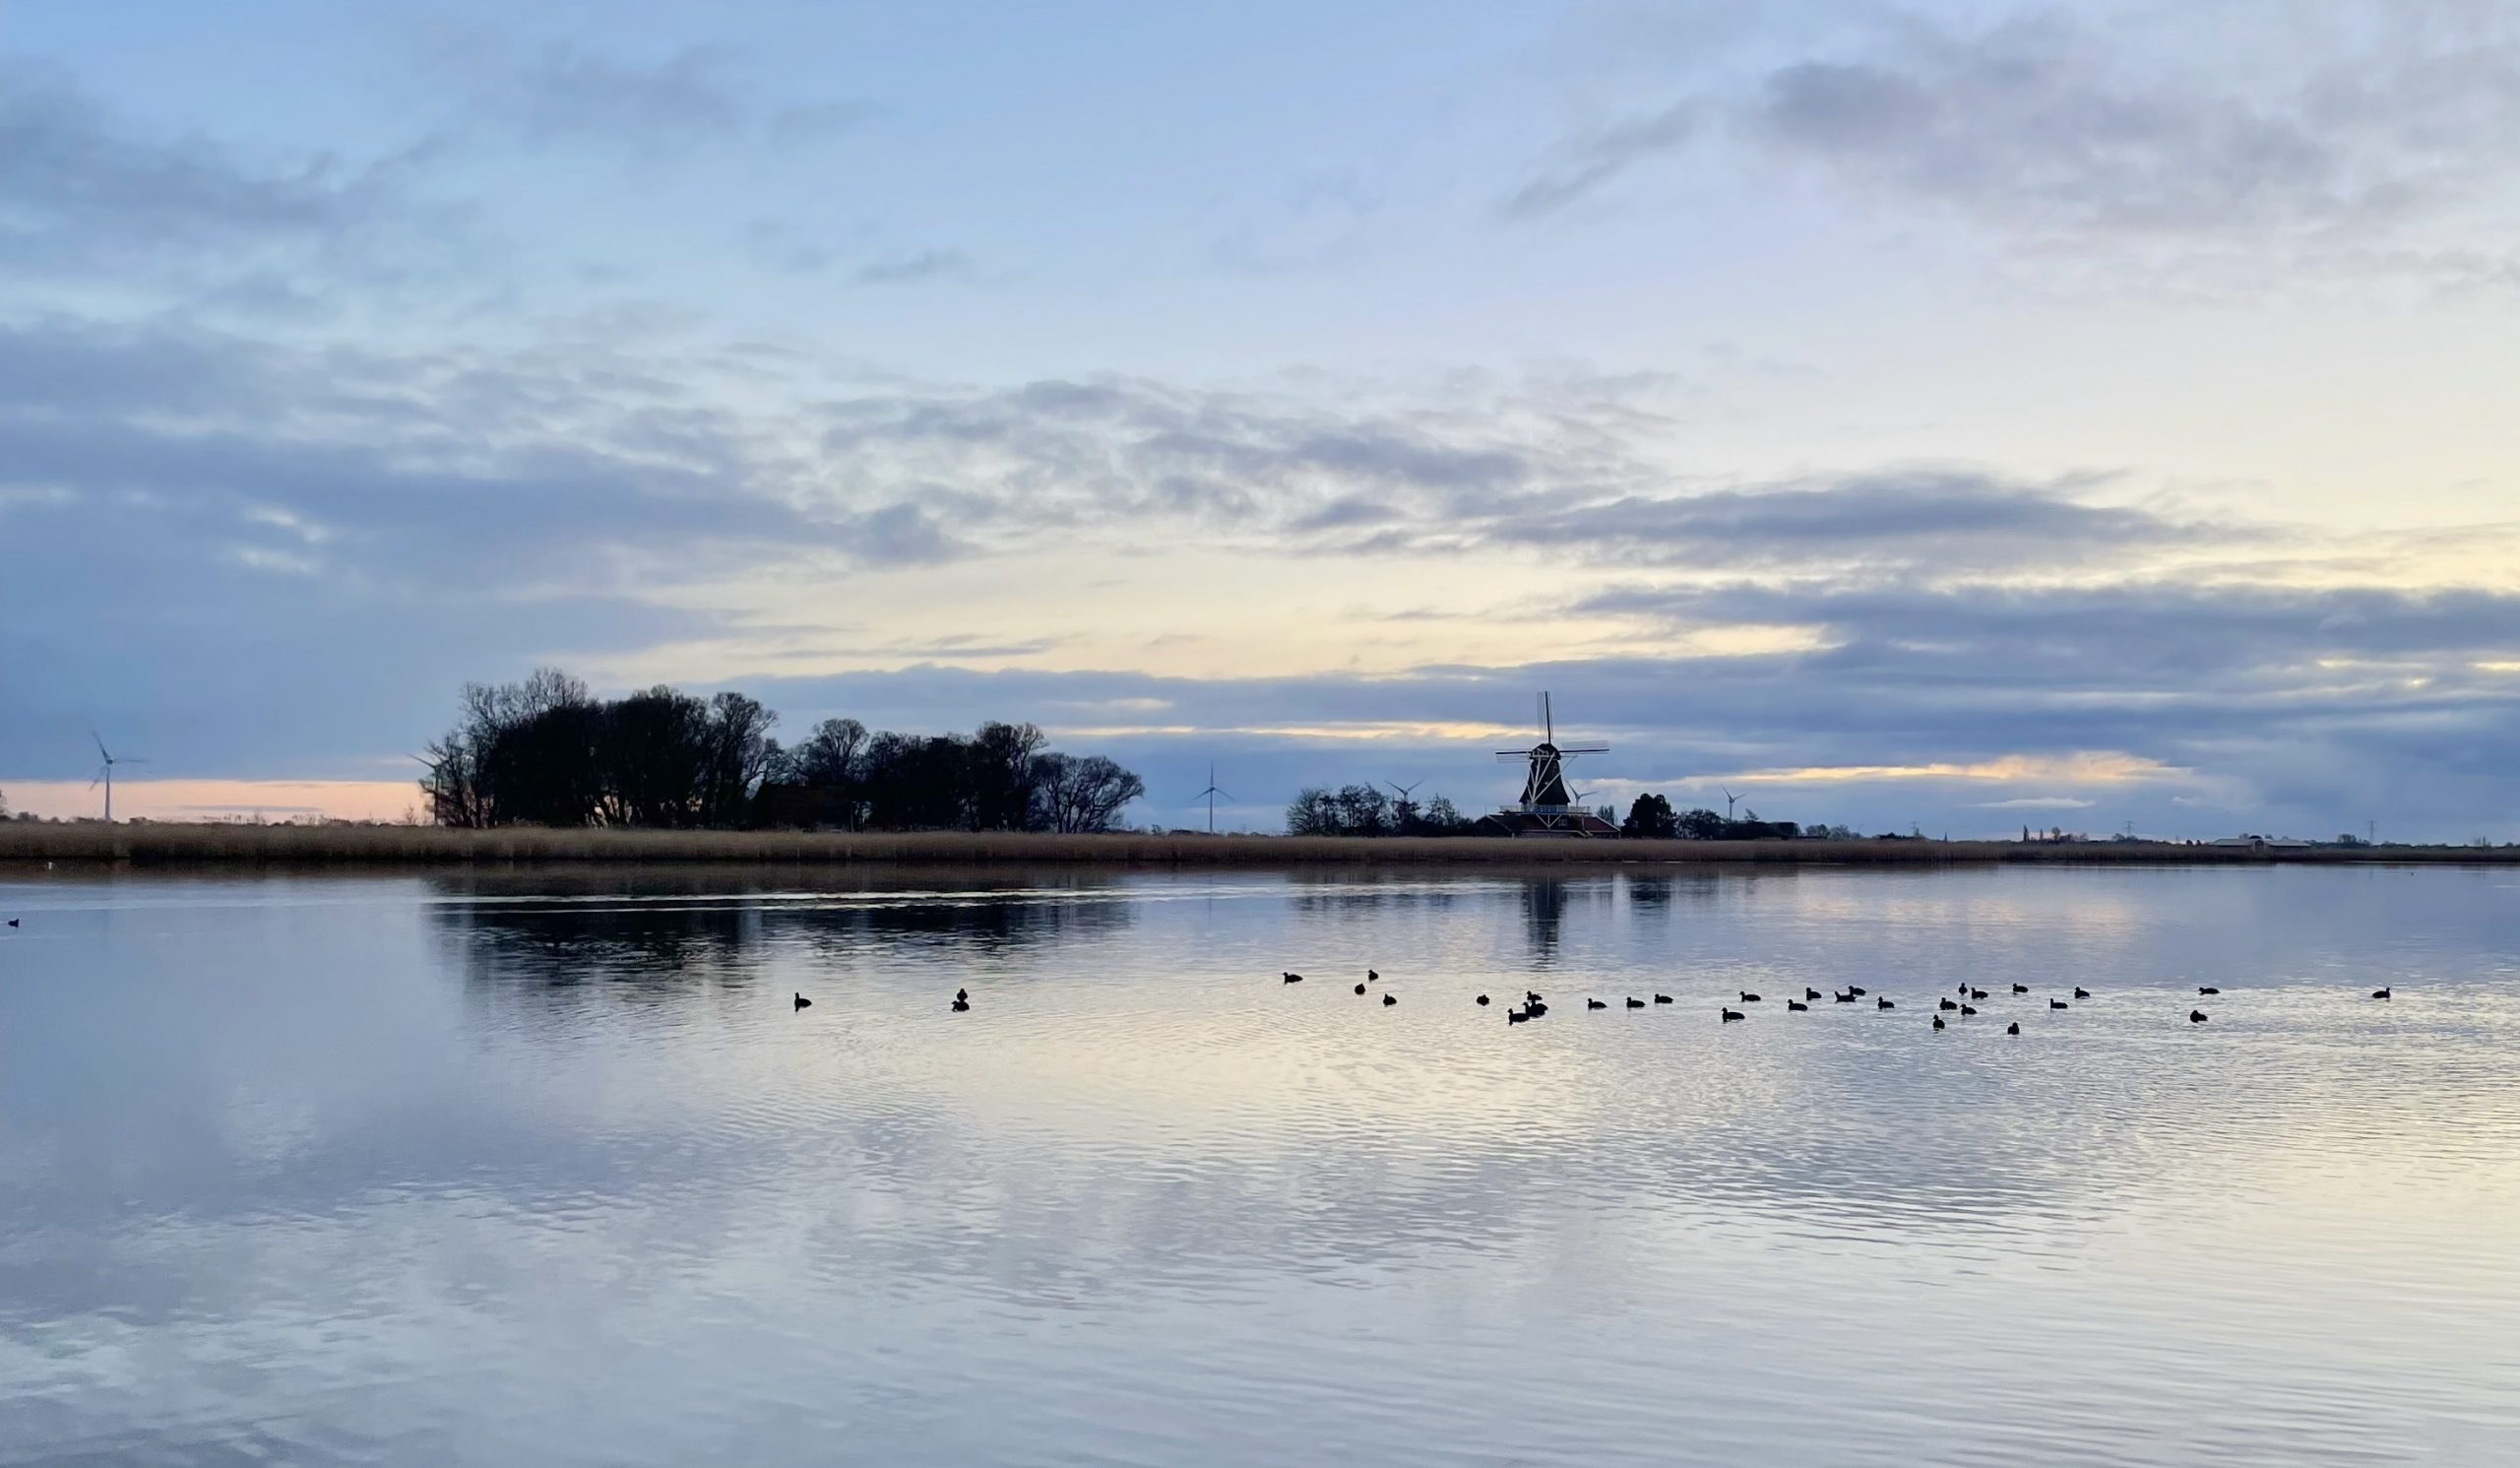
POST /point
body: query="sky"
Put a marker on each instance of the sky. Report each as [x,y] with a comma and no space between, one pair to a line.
[1947,417]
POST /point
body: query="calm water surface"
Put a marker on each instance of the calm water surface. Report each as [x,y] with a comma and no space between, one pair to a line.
[544,1168]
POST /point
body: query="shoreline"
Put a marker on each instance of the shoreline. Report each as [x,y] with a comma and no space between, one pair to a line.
[186,845]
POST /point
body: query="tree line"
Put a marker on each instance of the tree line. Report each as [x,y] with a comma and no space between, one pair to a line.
[1363,810]
[543,751]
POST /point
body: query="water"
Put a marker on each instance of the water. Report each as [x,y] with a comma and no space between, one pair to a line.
[544,1168]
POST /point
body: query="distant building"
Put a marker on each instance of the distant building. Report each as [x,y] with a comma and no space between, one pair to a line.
[1548,808]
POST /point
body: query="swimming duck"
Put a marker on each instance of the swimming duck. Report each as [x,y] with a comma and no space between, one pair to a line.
[1946,1004]
[1883,1004]
[1633,1003]
[1371,975]
[804,1003]
[1595,1005]
[1977,993]
[1937,1022]
[1731,1015]
[1844,998]
[1748,997]
[1857,990]
[1791,1005]
[2378,994]
[1967,1010]
[2081,992]
[2013,1028]
[1482,999]
[1662,998]
[2021,989]
[1360,989]
[961,1006]
[2060,1003]
[2196,1016]
[1291,977]
[1390,999]
[1811,994]
[1516,1017]
[2207,989]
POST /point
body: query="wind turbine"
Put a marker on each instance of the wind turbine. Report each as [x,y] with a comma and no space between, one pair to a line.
[1210,793]
[105,772]
[1729,798]
[1406,809]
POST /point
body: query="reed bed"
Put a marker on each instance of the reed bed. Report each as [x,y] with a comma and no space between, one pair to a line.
[170,844]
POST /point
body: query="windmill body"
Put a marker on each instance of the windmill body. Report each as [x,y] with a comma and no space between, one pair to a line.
[1548,808]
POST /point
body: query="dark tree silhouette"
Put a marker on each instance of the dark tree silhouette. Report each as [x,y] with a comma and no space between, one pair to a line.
[1649,818]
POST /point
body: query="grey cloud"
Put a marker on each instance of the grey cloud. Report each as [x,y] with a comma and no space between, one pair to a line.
[918,265]
[1585,164]
[567,94]
[81,194]
[2106,123]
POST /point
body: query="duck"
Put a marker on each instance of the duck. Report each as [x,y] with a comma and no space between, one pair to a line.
[2060,1003]
[1390,999]
[2081,992]
[961,1006]
[1792,1005]
[1946,1005]
[1937,1022]
[1372,976]
[13,921]
[1962,991]
[1811,994]
[2014,1028]
[2196,1016]
[1595,1005]
[1528,998]
[1731,1015]
[2378,994]
[804,1003]
[964,994]
[1977,993]
[1516,1017]
[1857,990]
[1967,1010]
[1748,997]
[1662,998]
[1883,1004]
[1360,989]
[1535,1008]
[1633,1003]
[1483,1000]
[2207,989]
[1844,998]
[2021,989]
[1291,977]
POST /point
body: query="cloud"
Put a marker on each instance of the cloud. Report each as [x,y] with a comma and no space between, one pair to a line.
[915,265]
[2332,121]
[83,195]
[568,95]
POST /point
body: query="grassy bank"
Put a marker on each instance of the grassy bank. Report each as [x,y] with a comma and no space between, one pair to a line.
[187,845]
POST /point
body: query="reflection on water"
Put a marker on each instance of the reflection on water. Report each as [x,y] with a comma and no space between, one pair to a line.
[545,1168]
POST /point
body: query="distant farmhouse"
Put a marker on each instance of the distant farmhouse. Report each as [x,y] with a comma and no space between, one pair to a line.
[1547,808]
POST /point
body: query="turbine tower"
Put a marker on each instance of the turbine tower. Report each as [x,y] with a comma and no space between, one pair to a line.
[105,772]
[1210,793]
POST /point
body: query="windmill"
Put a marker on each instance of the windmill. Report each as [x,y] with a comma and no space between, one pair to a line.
[1546,808]
[1210,795]
[1728,799]
[105,772]
[1405,812]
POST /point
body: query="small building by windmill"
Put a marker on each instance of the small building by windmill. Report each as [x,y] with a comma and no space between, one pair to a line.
[1548,808]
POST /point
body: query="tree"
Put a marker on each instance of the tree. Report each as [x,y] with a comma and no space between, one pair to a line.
[1082,795]
[1003,775]
[1313,811]
[1441,819]
[1650,818]
[1700,824]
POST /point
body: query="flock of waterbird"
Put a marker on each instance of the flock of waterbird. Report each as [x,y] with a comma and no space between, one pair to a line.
[1966,1006]
[1534,1006]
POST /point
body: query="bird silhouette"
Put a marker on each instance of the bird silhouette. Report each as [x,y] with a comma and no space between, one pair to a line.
[2196,1016]
[2207,989]
[1748,997]
[1731,1015]
[1967,1010]
[1811,994]
[1633,1003]
[804,1003]
[1792,1006]
[1844,998]
[1535,1008]
[1389,999]
[1360,989]
[1482,999]
[2021,989]
[13,923]
[1857,990]
[1977,993]
[1371,975]
[1528,998]
[1291,977]
[1516,1017]
[1937,1022]
[1595,1005]
[2013,1029]
[1662,998]
[1946,1004]
[2081,992]
[2378,994]
[2058,1004]
[1883,1004]
[963,995]
[961,1006]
